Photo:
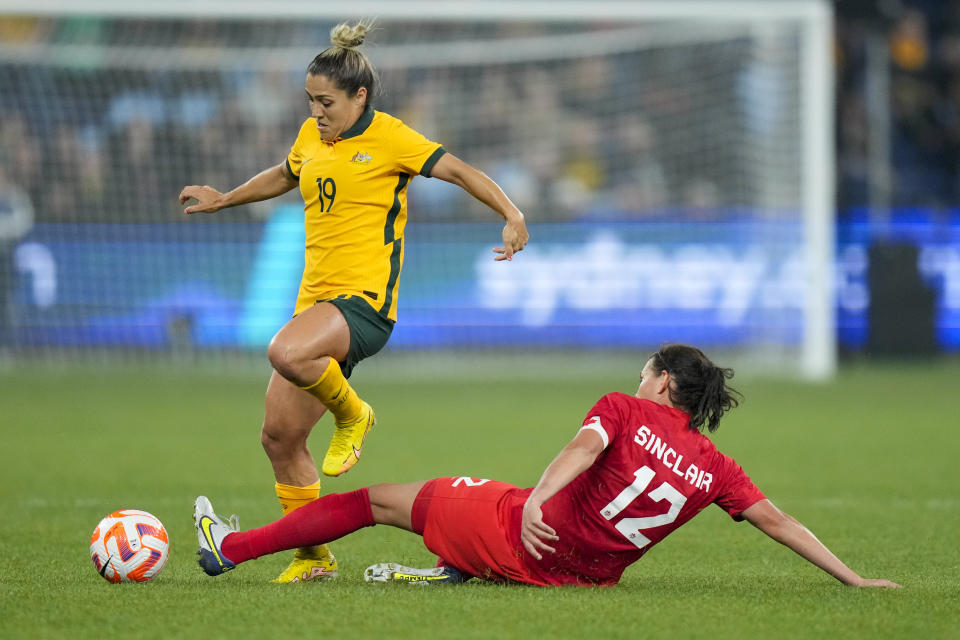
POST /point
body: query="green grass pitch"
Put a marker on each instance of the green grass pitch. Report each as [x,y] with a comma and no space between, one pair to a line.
[868,462]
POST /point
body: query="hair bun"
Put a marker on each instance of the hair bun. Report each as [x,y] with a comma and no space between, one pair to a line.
[343,36]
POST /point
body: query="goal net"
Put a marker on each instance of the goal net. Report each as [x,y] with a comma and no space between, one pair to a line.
[673,159]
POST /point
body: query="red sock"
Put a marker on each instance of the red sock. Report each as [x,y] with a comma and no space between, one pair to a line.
[328,518]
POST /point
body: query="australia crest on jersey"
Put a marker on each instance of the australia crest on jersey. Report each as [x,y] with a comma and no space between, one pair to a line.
[361,158]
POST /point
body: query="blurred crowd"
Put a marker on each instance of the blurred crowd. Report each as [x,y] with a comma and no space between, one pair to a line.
[98,137]
[919,47]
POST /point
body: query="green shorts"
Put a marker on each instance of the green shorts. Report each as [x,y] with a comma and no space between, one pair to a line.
[369,331]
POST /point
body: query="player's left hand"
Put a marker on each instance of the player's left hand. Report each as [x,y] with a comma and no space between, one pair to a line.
[877,582]
[515,238]
[533,531]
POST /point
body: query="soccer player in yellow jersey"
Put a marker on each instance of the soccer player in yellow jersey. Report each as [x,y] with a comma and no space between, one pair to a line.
[353,165]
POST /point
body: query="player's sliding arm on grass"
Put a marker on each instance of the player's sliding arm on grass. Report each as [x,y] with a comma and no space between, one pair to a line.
[575,458]
[267,184]
[789,532]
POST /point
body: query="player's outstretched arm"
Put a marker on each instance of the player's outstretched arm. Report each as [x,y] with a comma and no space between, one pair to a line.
[455,171]
[788,531]
[267,184]
[575,458]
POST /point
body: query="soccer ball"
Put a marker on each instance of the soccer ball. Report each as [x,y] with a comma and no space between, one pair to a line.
[129,546]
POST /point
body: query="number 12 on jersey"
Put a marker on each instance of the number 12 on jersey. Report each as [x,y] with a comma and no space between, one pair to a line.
[631,527]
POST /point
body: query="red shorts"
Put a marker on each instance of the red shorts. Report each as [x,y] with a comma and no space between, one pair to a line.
[467,522]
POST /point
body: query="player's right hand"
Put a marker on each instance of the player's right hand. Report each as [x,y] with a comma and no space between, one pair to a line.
[208,199]
[533,531]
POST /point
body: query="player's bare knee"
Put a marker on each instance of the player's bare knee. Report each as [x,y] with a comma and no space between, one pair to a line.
[278,442]
[271,444]
[287,360]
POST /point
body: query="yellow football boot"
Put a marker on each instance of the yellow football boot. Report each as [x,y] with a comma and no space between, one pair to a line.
[347,443]
[312,563]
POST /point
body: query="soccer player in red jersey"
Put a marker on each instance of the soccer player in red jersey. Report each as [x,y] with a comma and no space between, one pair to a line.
[638,469]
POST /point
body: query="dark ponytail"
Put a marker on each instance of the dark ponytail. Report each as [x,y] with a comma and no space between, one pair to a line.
[697,386]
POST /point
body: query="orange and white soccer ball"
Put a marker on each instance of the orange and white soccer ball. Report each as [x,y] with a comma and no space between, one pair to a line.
[129,546]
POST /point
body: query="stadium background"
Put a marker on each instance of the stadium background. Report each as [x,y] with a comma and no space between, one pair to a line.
[132,339]
[678,186]
[668,204]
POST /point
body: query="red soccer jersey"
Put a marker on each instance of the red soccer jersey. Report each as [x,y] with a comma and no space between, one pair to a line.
[653,475]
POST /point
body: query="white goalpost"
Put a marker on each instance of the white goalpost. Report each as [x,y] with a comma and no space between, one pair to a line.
[681,150]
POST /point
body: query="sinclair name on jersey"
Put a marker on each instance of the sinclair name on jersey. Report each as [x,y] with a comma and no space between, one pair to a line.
[669,458]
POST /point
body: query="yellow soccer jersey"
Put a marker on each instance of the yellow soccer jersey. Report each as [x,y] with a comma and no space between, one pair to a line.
[355,203]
